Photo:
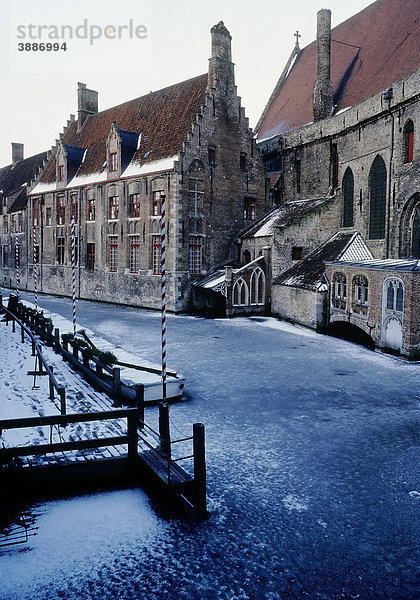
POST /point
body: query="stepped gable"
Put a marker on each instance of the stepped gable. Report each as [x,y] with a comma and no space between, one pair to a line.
[163,119]
[369,51]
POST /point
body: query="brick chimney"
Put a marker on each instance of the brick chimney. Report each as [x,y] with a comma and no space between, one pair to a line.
[87,104]
[17,152]
[221,68]
[323,89]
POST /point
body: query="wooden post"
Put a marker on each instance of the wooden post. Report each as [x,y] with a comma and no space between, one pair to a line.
[56,343]
[98,368]
[51,384]
[132,441]
[199,467]
[75,350]
[62,395]
[50,339]
[140,404]
[33,348]
[116,384]
[22,334]
[13,326]
[164,432]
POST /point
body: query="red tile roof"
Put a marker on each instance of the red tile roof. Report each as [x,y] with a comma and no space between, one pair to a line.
[388,35]
[163,119]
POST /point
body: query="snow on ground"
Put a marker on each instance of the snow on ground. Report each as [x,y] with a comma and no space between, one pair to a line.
[151,380]
[20,399]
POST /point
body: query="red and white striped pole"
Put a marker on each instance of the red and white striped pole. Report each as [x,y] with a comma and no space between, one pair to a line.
[17,264]
[164,431]
[73,272]
[35,268]
[163,290]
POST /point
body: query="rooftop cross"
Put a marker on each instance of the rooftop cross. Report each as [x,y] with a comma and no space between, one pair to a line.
[297,36]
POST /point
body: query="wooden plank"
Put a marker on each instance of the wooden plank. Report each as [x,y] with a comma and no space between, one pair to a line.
[19,423]
[63,446]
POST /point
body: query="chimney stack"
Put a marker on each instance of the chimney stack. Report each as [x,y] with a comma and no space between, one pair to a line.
[17,152]
[323,89]
[221,67]
[87,104]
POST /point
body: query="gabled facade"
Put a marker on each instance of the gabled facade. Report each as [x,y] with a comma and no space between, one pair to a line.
[189,145]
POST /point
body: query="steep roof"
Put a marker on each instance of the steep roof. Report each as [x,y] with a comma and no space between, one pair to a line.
[163,119]
[369,51]
[15,178]
[281,216]
[308,272]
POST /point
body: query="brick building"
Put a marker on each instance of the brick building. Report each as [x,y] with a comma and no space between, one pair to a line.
[339,141]
[16,182]
[190,144]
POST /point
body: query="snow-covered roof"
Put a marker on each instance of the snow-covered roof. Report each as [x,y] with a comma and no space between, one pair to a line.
[309,272]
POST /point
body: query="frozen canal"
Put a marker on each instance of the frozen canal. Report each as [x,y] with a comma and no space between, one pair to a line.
[313,482]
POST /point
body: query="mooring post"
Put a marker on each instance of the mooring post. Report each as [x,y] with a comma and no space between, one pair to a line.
[13,325]
[22,334]
[51,384]
[132,441]
[56,342]
[62,395]
[199,467]
[164,433]
[116,383]
[140,404]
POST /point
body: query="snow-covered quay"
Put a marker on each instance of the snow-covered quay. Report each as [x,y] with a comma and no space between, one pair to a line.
[312,458]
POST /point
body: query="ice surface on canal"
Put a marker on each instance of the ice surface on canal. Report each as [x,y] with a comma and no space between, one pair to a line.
[312,456]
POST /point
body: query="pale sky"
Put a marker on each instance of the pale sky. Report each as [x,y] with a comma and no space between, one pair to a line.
[39,88]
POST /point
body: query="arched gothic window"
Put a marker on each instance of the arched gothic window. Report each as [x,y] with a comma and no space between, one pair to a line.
[360,294]
[195,188]
[348,198]
[377,188]
[415,233]
[257,286]
[339,290]
[394,291]
[240,293]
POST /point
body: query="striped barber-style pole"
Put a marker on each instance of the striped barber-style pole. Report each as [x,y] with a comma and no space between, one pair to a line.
[35,269]
[73,272]
[163,290]
[17,264]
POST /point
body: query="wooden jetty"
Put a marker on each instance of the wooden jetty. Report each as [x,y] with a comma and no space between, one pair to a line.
[134,450]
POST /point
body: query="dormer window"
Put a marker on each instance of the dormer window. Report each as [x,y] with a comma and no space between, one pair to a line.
[113,161]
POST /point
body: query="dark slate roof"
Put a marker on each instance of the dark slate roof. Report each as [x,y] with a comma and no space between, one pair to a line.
[12,177]
[282,215]
[307,273]
[388,35]
[387,264]
[163,119]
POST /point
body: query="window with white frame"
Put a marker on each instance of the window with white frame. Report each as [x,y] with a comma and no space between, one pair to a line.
[134,206]
[394,289]
[113,207]
[61,210]
[195,195]
[60,250]
[113,253]
[91,209]
[156,254]
[134,253]
[195,255]
[157,203]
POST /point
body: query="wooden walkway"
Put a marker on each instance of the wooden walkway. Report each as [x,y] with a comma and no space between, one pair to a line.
[127,446]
